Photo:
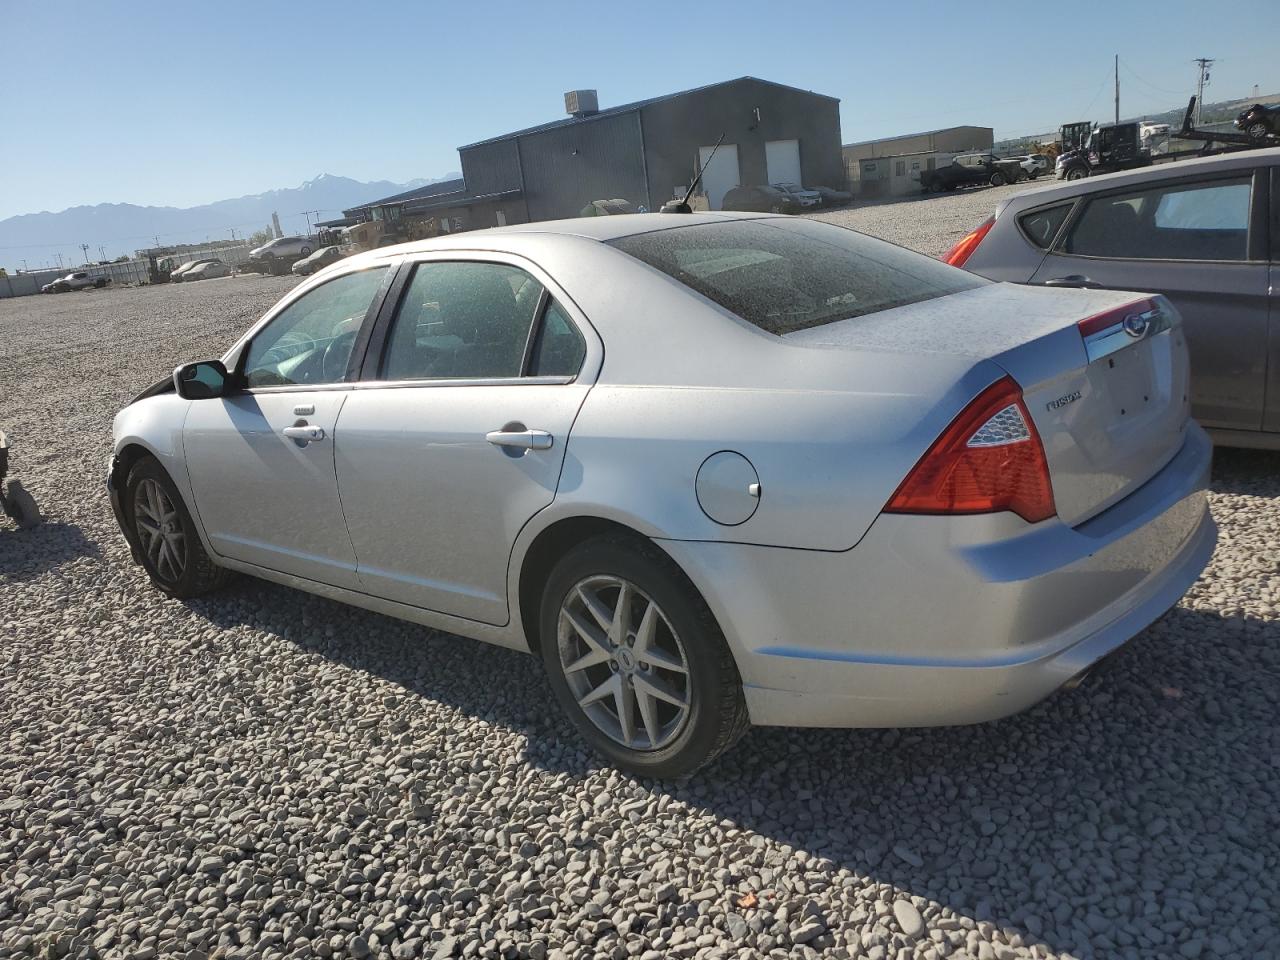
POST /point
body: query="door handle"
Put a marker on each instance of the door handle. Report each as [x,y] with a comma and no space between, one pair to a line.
[522,439]
[1075,280]
[304,433]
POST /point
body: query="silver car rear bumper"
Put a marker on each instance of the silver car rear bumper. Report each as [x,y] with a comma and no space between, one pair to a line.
[950,620]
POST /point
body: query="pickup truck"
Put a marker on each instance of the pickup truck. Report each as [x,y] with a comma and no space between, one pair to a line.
[78,280]
[969,170]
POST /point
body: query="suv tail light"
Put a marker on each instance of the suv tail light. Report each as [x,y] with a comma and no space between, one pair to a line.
[989,459]
[963,250]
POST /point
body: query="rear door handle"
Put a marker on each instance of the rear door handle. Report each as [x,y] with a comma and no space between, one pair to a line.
[523,439]
[304,433]
[1074,280]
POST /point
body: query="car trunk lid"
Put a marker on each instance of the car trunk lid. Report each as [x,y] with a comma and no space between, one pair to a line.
[1110,404]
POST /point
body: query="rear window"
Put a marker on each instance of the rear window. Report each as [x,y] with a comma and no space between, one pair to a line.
[788,275]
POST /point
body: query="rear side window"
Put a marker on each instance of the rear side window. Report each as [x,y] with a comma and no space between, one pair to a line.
[1187,221]
[559,349]
[788,275]
[1041,226]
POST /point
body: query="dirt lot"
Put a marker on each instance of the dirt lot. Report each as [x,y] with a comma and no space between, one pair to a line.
[266,774]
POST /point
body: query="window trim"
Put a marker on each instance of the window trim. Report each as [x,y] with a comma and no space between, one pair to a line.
[1253,240]
[381,329]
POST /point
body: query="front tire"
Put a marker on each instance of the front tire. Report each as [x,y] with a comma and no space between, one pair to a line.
[998,180]
[1258,131]
[637,660]
[172,553]
[1077,173]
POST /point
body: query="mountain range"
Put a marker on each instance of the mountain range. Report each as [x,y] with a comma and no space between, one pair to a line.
[121,228]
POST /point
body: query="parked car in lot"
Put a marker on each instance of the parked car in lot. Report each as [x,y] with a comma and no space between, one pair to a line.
[1032,165]
[207,271]
[969,170]
[317,261]
[833,198]
[761,198]
[1260,121]
[283,247]
[180,274]
[1195,232]
[803,197]
[900,495]
[77,280]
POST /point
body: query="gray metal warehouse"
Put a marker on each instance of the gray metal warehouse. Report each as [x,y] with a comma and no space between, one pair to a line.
[647,152]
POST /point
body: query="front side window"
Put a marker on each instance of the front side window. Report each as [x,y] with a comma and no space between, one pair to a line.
[783,276]
[310,341]
[1199,221]
[462,320]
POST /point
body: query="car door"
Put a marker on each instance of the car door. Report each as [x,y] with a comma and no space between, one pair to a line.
[261,458]
[1199,241]
[457,436]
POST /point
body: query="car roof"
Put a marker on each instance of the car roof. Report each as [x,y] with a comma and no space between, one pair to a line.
[515,237]
[1175,170]
[592,228]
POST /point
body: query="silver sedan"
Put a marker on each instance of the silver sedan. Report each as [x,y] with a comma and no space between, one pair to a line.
[713,469]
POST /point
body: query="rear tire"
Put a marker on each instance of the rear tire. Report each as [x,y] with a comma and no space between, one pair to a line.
[306,251]
[997,179]
[658,655]
[172,553]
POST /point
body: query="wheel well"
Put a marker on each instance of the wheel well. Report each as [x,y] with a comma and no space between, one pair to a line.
[128,457]
[543,554]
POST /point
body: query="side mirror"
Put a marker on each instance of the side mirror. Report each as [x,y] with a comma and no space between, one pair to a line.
[201,381]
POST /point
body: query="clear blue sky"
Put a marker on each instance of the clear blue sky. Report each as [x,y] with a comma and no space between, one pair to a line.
[149,103]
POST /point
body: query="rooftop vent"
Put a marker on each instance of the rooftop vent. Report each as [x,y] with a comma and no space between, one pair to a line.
[581,103]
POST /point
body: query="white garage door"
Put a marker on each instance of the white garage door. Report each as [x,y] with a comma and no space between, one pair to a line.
[782,161]
[721,175]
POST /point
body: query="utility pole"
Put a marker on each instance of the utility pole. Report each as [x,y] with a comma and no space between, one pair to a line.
[85,248]
[1117,89]
[233,234]
[59,261]
[1202,79]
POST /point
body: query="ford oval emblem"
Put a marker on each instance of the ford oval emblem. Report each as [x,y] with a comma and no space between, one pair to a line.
[1135,325]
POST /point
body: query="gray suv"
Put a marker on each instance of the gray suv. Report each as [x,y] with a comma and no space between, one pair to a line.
[1205,233]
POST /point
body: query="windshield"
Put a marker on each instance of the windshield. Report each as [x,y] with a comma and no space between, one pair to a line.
[788,275]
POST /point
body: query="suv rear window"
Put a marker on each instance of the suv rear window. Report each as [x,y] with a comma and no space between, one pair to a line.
[789,275]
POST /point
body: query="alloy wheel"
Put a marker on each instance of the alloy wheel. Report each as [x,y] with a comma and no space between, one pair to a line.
[625,666]
[160,530]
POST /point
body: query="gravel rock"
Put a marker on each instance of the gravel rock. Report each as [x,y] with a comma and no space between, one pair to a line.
[263,773]
[908,918]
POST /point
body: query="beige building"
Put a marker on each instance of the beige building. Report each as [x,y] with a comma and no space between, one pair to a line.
[891,167]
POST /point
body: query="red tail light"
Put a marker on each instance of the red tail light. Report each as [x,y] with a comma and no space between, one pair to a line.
[963,250]
[990,459]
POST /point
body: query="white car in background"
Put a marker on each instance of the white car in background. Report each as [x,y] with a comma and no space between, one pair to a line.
[180,273]
[283,247]
[207,271]
[79,280]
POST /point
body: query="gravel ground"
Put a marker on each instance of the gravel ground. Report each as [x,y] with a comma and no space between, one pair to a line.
[268,774]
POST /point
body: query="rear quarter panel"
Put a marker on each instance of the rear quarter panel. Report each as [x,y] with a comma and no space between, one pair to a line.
[827,460]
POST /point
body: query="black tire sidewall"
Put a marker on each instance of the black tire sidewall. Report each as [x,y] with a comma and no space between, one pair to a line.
[186,585]
[644,565]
